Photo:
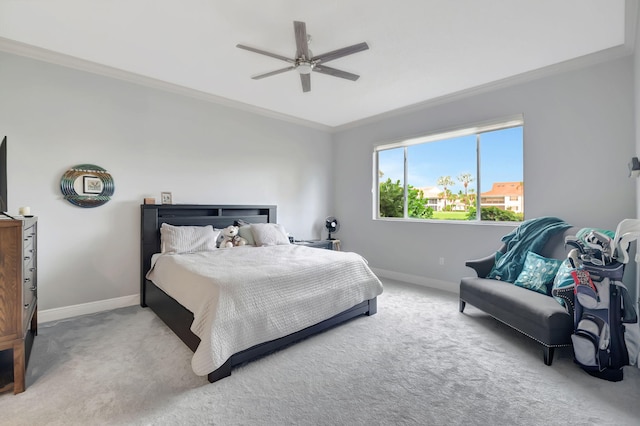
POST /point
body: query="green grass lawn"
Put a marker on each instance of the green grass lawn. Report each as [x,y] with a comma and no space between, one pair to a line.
[450,215]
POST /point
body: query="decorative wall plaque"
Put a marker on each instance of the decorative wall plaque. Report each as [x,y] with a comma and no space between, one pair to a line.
[87,185]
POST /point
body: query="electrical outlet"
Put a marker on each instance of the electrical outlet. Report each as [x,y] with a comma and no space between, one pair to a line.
[441,261]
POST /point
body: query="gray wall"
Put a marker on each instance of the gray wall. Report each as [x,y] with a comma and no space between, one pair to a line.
[150,141]
[578,135]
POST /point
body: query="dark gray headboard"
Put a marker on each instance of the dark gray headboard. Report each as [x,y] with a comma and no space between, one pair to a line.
[220,216]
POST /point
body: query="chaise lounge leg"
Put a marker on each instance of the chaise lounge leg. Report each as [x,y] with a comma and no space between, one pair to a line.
[462,305]
[548,355]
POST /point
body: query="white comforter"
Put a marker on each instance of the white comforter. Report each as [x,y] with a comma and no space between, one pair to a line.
[243,296]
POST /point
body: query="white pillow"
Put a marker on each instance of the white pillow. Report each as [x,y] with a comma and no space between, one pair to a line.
[269,234]
[245,232]
[187,239]
[220,236]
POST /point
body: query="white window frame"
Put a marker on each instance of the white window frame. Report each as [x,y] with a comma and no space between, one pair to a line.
[515,120]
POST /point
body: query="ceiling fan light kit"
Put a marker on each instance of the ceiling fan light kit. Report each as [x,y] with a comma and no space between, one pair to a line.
[305,67]
[304,61]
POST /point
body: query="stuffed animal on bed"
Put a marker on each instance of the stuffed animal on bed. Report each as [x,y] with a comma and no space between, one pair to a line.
[231,237]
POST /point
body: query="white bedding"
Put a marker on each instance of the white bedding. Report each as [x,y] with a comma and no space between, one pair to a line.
[243,296]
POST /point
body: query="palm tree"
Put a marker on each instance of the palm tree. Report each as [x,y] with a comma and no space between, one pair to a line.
[445,182]
[452,198]
[466,179]
[462,197]
[471,196]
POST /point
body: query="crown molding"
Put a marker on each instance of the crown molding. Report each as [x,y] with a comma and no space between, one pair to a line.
[68,61]
[569,65]
[631,22]
[632,15]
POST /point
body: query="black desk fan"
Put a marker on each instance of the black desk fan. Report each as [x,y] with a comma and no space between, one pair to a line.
[332,225]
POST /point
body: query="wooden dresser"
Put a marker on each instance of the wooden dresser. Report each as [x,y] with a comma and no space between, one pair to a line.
[18,298]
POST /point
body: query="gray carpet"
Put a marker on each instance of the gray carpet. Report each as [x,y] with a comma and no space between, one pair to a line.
[418,361]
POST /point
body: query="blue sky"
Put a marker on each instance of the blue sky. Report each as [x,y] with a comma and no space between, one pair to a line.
[501,160]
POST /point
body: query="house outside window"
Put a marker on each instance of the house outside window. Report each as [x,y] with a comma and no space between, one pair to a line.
[439,176]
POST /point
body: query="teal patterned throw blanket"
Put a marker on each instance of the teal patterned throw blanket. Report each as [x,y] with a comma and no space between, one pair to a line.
[531,235]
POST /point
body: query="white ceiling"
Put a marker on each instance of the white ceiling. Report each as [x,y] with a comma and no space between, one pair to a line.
[420,50]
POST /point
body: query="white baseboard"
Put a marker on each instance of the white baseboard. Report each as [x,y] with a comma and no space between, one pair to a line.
[419,280]
[65,312]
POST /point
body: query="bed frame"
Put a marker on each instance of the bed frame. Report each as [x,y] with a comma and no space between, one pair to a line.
[176,316]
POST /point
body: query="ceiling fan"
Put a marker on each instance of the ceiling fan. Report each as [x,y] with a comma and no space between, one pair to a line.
[304,61]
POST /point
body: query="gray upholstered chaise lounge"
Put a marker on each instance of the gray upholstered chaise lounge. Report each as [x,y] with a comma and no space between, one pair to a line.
[534,314]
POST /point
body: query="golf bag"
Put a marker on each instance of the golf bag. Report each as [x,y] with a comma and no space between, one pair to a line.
[602,306]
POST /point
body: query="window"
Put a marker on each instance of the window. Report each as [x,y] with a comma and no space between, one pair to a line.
[471,173]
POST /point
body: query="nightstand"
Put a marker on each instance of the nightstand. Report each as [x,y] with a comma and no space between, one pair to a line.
[323,244]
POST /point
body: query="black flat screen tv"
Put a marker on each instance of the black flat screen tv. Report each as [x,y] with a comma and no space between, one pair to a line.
[3,176]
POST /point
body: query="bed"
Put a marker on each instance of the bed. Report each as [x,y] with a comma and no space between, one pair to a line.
[192,329]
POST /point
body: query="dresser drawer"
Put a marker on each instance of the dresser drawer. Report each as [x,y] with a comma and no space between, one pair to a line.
[29,296]
[29,236]
[29,280]
[28,311]
[29,274]
[29,253]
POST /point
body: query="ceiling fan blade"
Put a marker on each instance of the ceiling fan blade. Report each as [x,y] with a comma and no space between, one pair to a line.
[339,53]
[302,45]
[262,52]
[336,73]
[306,82]
[269,74]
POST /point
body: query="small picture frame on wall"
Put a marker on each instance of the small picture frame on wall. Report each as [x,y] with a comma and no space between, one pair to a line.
[92,185]
[166,198]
